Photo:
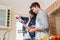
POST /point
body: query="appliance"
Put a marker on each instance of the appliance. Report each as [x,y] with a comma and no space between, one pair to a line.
[4,17]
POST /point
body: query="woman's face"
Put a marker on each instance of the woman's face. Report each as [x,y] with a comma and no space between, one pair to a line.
[30,15]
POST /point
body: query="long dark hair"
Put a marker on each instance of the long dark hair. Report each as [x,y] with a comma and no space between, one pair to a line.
[33,13]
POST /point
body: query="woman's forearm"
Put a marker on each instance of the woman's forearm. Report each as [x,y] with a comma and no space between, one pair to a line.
[28,27]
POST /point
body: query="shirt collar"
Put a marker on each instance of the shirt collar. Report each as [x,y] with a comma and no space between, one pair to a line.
[40,11]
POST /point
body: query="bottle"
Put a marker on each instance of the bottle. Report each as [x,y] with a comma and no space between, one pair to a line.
[44,38]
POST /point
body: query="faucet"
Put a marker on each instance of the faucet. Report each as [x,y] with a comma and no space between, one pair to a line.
[5,35]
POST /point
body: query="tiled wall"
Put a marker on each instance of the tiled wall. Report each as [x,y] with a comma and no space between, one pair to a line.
[52,23]
[52,18]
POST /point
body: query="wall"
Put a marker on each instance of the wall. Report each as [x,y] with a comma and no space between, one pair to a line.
[58,23]
[52,24]
[22,6]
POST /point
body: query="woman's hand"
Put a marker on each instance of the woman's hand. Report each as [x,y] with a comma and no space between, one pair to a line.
[31,30]
[19,18]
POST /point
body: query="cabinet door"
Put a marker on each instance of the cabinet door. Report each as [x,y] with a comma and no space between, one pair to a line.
[3,17]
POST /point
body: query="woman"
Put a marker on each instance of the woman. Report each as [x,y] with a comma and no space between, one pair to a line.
[28,22]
